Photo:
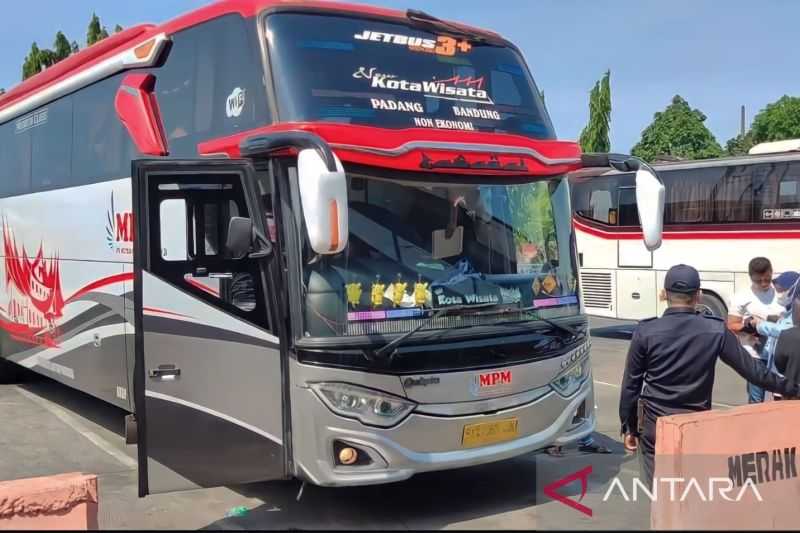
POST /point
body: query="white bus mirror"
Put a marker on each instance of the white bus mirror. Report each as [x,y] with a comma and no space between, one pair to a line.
[323,195]
[650,198]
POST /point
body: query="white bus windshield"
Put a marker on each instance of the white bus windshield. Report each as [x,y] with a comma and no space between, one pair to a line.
[510,258]
[365,72]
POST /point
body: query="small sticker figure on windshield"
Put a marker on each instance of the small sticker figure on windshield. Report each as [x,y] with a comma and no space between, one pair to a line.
[377,292]
[354,292]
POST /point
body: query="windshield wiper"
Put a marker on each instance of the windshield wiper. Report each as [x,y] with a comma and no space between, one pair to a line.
[392,346]
[537,316]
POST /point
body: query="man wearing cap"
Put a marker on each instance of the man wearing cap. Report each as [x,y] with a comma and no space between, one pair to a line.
[671,361]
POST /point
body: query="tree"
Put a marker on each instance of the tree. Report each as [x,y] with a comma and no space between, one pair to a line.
[678,131]
[740,145]
[595,136]
[61,47]
[778,121]
[118,28]
[95,32]
[33,62]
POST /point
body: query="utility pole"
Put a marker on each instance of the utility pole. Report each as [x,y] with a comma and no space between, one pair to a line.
[742,125]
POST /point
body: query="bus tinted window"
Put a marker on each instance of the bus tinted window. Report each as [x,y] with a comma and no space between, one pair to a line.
[779,194]
[51,165]
[101,149]
[15,147]
[211,84]
[357,71]
[628,211]
[597,200]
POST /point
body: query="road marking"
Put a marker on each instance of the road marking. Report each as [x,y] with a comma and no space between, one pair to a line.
[80,427]
[716,404]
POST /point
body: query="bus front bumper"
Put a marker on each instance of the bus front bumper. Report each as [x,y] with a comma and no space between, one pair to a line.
[423,443]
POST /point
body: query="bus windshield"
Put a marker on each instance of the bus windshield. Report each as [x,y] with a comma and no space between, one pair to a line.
[365,72]
[494,253]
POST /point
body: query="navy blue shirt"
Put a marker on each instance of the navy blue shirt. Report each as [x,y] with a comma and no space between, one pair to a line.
[675,357]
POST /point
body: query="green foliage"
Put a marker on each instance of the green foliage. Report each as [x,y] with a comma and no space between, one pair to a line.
[677,131]
[61,47]
[779,121]
[95,32]
[595,136]
[740,145]
[33,62]
[118,28]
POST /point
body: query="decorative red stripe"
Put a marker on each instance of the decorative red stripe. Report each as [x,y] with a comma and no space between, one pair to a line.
[110,280]
[204,288]
[733,234]
[163,312]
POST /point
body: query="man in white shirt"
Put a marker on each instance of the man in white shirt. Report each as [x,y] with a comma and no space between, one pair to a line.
[760,300]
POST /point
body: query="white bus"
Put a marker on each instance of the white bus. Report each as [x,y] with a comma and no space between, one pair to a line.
[719,214]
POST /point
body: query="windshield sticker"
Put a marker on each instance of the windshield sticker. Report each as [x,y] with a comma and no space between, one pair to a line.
[510,295]
[781,214]
[235,103]
[553,302]
[354,292]
[442,45]
[394,105]
[423,122]
[455,88]
[474,112]
[389,314]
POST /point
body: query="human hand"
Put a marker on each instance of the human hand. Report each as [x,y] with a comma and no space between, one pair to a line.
[631,442]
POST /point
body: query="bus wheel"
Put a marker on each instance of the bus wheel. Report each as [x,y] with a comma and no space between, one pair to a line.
[712,305]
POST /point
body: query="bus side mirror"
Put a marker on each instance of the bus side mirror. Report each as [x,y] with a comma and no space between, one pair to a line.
[650,198]
[323,195]
[240,236]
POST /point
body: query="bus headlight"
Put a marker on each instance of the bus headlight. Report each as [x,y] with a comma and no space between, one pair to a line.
[568,382]
[370,407]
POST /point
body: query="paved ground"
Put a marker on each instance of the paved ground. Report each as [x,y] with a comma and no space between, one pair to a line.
[47,428]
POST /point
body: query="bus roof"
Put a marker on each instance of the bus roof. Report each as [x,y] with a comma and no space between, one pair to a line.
[781,157]
[134,36]
[790,145]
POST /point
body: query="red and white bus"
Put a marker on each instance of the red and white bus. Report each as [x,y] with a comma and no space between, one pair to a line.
[298,238]
[719,214]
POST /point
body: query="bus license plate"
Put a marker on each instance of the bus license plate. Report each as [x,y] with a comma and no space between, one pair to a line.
[489,432]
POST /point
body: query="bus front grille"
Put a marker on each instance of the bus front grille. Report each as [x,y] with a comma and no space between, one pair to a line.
[597,289]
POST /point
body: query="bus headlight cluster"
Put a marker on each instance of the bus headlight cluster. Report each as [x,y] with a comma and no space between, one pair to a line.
[568,382]
[370,407]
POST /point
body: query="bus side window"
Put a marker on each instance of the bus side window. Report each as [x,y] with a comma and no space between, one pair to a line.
[789,189]
[595,201]
[172,214]
[628,211]
[211,84]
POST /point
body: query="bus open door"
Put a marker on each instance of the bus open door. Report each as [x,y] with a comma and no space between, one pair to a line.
[208,372]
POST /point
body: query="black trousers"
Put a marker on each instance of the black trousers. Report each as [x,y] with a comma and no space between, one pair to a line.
[647,446]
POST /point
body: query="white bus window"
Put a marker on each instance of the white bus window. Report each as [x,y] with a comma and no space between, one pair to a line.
[172,215]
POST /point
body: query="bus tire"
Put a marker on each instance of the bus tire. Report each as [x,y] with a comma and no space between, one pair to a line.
[710,303]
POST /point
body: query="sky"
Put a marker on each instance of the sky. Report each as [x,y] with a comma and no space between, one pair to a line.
[718,55]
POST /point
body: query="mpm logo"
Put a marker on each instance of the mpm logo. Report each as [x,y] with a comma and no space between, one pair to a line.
[119,230]
[490,382]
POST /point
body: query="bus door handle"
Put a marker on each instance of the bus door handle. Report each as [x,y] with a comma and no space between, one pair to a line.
[165,372]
